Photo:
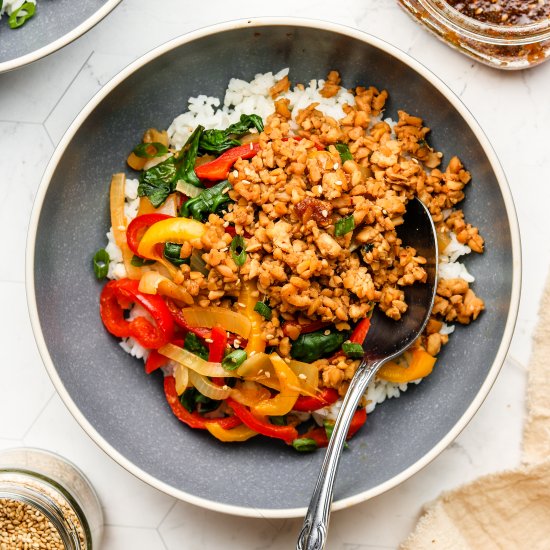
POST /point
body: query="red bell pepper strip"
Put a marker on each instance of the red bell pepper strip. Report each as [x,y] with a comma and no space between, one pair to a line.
[360,331]
[260,425]
[117,295]
[139,223]
[194,419]
[306,403]
[219,342]
[319,435]
[156,360]
[218,169]
[304,328]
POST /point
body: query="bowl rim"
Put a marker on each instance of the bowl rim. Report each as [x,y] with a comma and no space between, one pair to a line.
[510,212]
[62,41]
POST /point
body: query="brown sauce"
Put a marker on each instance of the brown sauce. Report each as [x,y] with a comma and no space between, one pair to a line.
[503,12]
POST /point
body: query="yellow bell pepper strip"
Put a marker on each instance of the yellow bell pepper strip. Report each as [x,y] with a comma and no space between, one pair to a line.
[240,433]
[421,364]
[283,402]
[174,230]
[247,301]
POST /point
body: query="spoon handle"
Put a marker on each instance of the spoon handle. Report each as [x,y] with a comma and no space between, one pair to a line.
[314,531]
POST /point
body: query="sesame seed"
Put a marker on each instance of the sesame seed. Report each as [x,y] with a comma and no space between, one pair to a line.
[326,333]
[226,224]
[325,213]
[226,190]
[338,182]
[122,228]
[246,182]
[302,376]
[320,189]
[225,387]
[335,166]
[270,336]
[240,304]
[209,340]
[267,373]
[235,173]
[251,146]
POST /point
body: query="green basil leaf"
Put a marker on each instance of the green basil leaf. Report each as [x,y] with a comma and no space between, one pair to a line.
[136,261]
[158,182]
[278,420]
[187,158]
[210,201]
[172,253]
[353,350]
[343,151]
[193,344]
[313,345]
[218,141]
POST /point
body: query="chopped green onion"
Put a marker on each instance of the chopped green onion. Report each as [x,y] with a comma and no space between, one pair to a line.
[344,225]
[101,263]
[278,420]
[238,251]
[305,445]
[353,350]
[142,150]
[344,152]
[264,310]
[329,428]
[234,359]
[137,261]
[21,15]
[172,253]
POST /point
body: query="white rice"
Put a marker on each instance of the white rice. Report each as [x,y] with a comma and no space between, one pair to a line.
[253,97]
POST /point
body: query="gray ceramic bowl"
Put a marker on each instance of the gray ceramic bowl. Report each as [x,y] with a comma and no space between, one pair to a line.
[123,409]
[55,24]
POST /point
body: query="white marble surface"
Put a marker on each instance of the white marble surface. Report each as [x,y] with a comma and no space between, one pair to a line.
[38,102]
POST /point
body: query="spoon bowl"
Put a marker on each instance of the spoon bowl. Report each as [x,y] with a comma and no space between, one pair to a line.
[385,340]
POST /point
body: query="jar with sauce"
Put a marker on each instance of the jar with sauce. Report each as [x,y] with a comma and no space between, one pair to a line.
[506,34]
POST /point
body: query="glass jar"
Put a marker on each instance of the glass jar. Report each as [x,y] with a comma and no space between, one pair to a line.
[502,46]
[46,502]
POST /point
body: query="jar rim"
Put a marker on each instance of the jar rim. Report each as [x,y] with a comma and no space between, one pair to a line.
[497,34]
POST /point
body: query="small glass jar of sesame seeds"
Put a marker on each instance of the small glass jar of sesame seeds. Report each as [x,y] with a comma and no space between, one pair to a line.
[46,503]
[506,34]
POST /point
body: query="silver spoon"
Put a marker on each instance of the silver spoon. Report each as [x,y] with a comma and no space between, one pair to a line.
[385,341]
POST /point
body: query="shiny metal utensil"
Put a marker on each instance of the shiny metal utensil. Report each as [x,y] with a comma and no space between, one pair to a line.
[386,340]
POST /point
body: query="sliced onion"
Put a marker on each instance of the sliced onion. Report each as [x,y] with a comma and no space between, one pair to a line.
[311,381]
[207,388]
[118,223]
[249,393]
[258,367]
[181,374]
[188,189]
[217,316]
[194,362]
[152,282]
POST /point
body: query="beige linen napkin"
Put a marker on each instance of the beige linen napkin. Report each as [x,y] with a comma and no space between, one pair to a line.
[507,510]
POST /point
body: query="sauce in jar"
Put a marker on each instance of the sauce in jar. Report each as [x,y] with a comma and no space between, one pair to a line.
[503,12]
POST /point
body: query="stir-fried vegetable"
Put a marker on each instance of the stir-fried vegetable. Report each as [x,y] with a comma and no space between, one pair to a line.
[210,201]
[101,263]
[418,364]
[219,169]
[344,225]
[314,345]
[21,15]
[343,151]
[218,141]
